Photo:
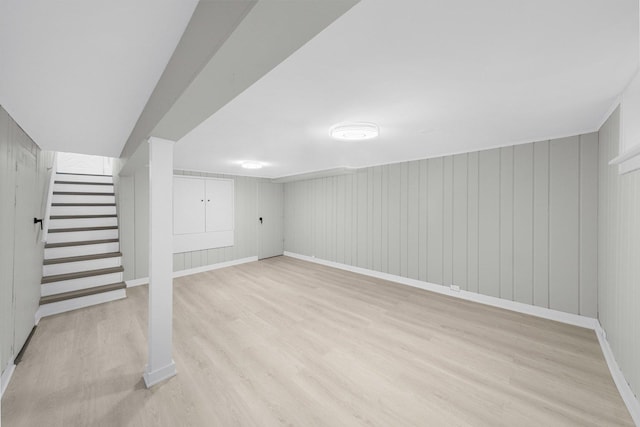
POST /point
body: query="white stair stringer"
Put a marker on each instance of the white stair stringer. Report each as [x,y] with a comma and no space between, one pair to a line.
[82,260]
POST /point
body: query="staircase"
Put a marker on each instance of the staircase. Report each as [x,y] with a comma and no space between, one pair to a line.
[82,260]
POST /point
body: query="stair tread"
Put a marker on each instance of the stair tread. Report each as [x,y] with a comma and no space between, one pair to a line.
[81,174]
[82,293]
[81,258]
[83,204]
[81,243]
[75,229]
[82,216]
[82,183]
[81,193]
[81,274]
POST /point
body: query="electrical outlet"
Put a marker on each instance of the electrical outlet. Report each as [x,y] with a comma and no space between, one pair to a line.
[455,288]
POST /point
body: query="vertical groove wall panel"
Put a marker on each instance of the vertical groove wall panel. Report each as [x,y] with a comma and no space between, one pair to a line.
[506,223]
[618,254]
[588,225]
[489,220]
[404,220]
[340,217]
[564,230]
[376,232]
[413,220]
[460,220]
[480,220]
[321,218]
[394,219]
[423,189]
[541,223]
[523,223]
[369,215]
[447,214]
[435,221]
[363,236]
[384,219]
[473,178]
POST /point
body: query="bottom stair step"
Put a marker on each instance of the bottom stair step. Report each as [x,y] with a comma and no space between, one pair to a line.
[81,293]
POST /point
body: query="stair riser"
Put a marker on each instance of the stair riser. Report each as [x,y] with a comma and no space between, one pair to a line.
[83,178]
[57,198]
[101,248]
[83,210]
[82,236]
[55,288]
[74,267]
[83,222]
[83,188]
[73,304]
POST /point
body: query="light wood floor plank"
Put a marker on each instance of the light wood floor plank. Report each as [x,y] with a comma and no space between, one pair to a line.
[286,342]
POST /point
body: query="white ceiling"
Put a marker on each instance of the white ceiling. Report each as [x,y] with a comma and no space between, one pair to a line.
[76,74]
[438,77]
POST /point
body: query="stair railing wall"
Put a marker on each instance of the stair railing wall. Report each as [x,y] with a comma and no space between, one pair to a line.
[47,208]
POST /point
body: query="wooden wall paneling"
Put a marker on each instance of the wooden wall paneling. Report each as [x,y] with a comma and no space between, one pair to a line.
[460,220]
[541,223]
[564,230]
[523,223]
[489,223]
[506,222]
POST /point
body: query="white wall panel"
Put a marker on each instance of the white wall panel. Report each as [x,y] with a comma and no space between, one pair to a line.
[618,252]
[478,220]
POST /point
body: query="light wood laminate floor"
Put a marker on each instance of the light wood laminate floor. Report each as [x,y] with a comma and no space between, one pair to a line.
[285,342]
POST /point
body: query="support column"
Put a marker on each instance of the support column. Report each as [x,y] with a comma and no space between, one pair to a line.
[160,365]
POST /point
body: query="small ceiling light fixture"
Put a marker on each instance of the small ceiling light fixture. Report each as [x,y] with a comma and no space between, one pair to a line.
[251,165]
[355,131]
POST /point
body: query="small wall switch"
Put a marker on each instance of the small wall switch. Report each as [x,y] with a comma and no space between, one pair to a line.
[455,288]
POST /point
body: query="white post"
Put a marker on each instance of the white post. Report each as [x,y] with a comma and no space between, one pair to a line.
[160,365]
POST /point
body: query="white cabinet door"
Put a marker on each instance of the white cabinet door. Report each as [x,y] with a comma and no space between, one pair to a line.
[188,205]
[219,201]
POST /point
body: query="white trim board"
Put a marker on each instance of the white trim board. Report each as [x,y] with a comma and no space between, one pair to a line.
[546,313]
[6,376]
[75,303]
[145,280]
[629,398]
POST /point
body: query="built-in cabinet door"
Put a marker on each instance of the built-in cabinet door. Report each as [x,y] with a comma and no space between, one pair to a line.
[188,206]
[219,201]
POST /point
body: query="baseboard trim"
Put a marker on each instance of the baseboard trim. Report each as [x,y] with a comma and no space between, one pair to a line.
[75,303]
[543,312]
[188,272]
[629,398]
[6,377]
[159,375]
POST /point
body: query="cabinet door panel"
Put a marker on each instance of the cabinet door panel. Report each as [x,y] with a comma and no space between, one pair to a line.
[219,201]
[188,206]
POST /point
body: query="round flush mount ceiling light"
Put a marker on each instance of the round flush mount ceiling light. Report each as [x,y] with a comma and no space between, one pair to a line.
[355,131]
[251,165]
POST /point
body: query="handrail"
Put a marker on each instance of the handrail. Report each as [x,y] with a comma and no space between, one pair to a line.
[47,209]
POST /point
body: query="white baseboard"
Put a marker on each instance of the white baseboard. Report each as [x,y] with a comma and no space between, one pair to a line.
[196,270]
[75,303]
[159,375]
[6,377]
[137,282]
[629,398]
[543,312]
